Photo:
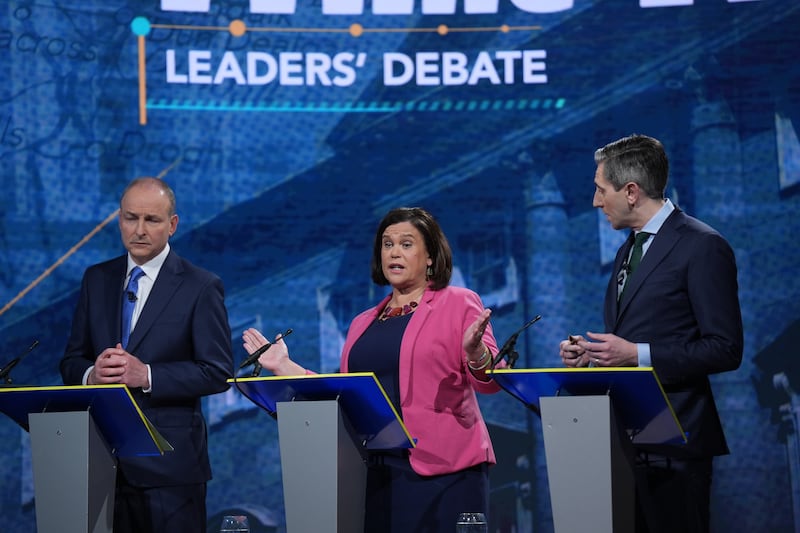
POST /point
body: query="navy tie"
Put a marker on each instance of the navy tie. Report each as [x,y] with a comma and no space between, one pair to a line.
[129,303]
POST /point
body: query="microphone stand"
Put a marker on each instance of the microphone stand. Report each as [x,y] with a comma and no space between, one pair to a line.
[253,357]
[509,348]
[6,370]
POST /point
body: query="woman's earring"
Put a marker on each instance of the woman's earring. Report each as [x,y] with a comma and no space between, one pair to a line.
[429,273]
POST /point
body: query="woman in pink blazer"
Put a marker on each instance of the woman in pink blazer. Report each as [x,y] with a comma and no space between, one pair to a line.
[430,345]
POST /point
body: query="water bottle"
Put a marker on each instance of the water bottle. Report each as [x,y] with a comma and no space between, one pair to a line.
[234,524]
[471,523]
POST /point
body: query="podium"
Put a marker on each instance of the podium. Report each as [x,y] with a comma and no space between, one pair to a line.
[326,425]
[591,419]
[76,433]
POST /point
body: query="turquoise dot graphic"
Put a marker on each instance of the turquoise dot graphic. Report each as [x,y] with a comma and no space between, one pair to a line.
[140,26]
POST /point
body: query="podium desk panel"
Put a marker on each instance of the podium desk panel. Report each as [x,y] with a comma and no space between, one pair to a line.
[366,405]
[126,429]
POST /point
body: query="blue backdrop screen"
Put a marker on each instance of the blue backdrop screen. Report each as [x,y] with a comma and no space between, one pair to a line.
[288,128]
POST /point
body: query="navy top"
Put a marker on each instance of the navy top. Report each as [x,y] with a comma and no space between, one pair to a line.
[378,351]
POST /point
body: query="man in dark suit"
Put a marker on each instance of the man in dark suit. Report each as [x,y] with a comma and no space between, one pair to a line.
[178,351]
[672,305]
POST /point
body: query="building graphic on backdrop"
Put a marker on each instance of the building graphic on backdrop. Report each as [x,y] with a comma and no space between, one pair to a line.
[285,155]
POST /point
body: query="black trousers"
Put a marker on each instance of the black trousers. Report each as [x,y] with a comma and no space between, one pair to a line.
[399,500]
[672,494]
[176,509]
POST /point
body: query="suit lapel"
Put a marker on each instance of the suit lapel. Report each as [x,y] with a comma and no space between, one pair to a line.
[414,326]
[612,290]
[664,241]
[169,279]
[114,285]
[410,338]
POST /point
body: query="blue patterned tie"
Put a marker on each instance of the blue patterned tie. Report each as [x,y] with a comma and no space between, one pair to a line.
[129,303]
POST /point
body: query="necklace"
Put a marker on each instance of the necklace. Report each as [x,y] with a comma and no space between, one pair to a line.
[390,311]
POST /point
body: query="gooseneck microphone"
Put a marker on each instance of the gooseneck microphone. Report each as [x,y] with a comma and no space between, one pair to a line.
[508,349]
[253,357]
[6,370]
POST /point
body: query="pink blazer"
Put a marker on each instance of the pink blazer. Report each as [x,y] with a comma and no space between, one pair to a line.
[437,391]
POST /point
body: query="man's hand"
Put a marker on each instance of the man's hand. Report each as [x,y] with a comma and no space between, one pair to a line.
[572,353]
[606,349]
[115,365]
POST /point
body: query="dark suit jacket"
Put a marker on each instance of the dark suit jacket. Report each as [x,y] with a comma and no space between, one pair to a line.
[683,300]
[183,334]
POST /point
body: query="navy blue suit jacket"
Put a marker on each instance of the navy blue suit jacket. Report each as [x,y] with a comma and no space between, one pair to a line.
[183,334]
[683,300]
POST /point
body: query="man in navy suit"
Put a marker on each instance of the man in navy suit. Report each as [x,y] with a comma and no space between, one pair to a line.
[179,350]
[676,310]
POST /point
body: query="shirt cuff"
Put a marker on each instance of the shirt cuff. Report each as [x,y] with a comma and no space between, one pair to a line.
[149,380]
[85,378]
[643,350]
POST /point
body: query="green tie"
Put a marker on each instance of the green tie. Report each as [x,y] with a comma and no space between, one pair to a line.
[636,257]
[638,250]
